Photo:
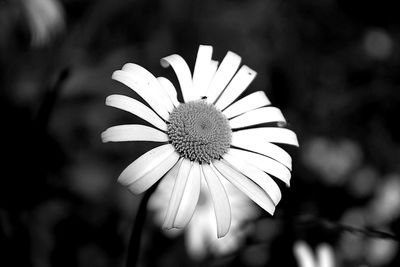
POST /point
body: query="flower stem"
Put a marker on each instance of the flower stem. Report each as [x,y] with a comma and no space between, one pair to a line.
[136,235]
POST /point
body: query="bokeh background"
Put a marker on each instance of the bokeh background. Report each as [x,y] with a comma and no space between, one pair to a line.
[332,66]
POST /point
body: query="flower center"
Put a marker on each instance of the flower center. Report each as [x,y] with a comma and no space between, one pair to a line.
[199,131]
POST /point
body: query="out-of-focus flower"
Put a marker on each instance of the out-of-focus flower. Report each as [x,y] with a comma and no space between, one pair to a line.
[380,252]
[332,160]
[89,180]
[45,19]
[378,44]
[305,257]
[385,207]
[363,182]
[200,234]
[209,136]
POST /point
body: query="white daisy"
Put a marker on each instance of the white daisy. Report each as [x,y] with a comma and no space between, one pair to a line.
[209,136]
[200,233]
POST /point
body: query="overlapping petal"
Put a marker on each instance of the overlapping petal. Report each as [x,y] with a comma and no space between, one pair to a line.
[257,116]
[247,186]
[146,90]
[169,89]
[136,108]
[264,163]
[144,182]
[236,87]
[265,148]
[146,163]
[183,73]
[220,199]
[269,134]
[252,101]
[149,80]
[256,175]
[224,74]
[189,198]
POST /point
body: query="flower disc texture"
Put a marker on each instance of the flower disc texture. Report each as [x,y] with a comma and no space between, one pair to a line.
[209,135]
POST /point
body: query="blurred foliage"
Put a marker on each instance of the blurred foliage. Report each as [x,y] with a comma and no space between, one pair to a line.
[331,66]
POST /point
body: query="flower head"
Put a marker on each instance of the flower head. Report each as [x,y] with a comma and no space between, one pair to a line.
[209,136]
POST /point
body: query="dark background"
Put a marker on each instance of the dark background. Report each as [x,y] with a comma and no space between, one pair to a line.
[331,66]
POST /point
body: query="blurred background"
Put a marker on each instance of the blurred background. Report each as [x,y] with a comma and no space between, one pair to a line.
[332,66]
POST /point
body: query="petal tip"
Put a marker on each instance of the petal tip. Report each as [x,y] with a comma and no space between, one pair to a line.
[223,232]
[164,62]
[104,137]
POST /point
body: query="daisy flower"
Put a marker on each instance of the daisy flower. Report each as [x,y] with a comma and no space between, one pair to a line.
[200,234]
[209,136]
[305,257]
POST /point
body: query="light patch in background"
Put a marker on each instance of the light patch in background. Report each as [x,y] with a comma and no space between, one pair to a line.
[380,252]
[363,182]
[385,207]
[332,160]
[90,180]
[378,44]
[45,20]
[355,247]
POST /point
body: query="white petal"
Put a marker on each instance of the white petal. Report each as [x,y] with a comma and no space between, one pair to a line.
[236,87]
[247,186]
[252,101]
[304,255]
[264,163]
[137,108]
[325,256]
[190,197]
[220,200]
[145,163]
[257,116]
[177,193]
[160,198]
[147,180]
[269,134]
[268,149]
[169,89]
[201,69]
[256,175]
[133,132]
[224,74]
[205,83]
[149,80]
[145,90]
[183,73]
